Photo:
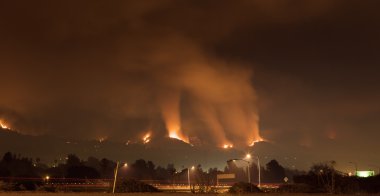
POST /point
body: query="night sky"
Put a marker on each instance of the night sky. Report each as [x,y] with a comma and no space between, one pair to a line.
[304,73]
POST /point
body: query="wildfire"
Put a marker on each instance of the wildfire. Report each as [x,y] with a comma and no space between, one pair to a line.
[146,138]
[227,146]
[256,141]
[102,139]
[175,135]
[3,126]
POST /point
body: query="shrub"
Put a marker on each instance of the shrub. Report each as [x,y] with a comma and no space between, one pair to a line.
[295,188]
[243,187]
[133,186]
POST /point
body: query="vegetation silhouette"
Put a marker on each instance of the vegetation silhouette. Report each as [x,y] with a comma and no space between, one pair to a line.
[19,173]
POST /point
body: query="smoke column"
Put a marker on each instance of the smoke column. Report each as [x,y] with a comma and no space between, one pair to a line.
[221,94]
[113,68]
[170,107]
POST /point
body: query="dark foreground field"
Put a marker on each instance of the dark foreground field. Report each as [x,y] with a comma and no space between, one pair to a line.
[163,194]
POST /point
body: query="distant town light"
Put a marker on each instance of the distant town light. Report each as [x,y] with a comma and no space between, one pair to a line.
[365,174]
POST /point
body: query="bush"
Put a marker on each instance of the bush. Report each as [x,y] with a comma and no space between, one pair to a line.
[6,186]
[295,188]
[133,186]
[243,187]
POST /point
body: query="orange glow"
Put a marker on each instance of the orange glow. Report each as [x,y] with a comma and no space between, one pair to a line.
[102,139]
[331,134]
[177,135]
[256,141]
[3,126]
[227,146]
[146,138]
[171,115]
[175,131]
[254,133]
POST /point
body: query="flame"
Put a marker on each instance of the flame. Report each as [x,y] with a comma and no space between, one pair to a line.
[227,146]
[3,126]
[146,138]
[102,139]
[177,135]
[256,141]
[170,103]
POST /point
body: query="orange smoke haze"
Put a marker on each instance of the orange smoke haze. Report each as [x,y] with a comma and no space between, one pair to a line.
[220,94]
[120,84]
[170,108]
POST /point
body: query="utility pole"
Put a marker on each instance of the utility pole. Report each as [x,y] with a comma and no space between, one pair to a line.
[188,176]
[258,165]
[115,176]
[249,173]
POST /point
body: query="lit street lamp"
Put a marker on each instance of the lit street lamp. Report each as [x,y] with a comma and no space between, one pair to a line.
[249,174]
[115,176]
[258,165]
[47,178]
[249,156]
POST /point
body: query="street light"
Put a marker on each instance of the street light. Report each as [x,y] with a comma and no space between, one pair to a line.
[115,176]
[258,165]
[248,164]
[188,175]
[47,178]
[248,156]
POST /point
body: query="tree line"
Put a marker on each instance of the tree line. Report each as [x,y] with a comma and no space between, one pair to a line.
[23,173]
[14,167]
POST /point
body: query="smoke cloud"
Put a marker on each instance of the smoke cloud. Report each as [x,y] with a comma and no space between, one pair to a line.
[115,69]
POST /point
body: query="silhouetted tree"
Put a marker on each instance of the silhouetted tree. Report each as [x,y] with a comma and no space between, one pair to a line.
[94,163]
[82,172]
[133,186]
[107,168]
[274,172]
[72,160]
[7,158]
